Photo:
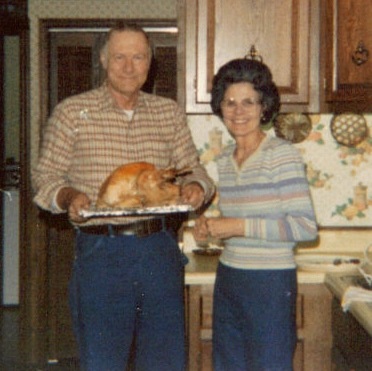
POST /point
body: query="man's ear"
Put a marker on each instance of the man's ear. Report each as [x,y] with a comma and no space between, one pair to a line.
[103,59]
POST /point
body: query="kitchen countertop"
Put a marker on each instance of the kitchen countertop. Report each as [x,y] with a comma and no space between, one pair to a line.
[201,270]
[337,283]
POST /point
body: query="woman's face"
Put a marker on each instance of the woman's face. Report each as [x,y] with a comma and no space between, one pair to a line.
[241,109]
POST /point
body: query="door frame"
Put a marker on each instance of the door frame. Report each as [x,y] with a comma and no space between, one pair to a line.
[46,25]
[11,25]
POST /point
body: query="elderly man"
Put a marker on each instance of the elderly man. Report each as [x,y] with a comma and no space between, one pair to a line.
[127,285]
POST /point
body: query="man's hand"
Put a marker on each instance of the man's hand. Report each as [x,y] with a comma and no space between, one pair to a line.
[73,201]
[193,194]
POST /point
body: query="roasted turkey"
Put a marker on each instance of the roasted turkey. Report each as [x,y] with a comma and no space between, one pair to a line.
[140,184]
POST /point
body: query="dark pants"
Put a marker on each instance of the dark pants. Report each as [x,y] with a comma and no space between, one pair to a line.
[126,289]
[254,323]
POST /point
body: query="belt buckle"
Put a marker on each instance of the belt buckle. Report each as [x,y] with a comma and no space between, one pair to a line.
[128,232]
[140,229]
[133,230]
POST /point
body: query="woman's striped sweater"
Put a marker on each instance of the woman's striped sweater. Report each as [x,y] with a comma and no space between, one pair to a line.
[270,191]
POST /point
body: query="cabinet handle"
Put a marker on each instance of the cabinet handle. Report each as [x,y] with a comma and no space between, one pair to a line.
[254,54]
[361,54]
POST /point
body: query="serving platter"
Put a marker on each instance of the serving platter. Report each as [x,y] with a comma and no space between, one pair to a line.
[133,211]
[327,263]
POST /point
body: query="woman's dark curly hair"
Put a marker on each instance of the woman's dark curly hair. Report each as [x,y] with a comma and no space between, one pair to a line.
[253,72]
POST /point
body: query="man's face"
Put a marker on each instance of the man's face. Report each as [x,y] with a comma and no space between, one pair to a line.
[127,62]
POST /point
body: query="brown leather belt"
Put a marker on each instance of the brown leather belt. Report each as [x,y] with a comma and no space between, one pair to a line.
[140,229]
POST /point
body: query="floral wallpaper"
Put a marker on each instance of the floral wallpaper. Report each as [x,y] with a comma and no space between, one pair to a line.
[340,177]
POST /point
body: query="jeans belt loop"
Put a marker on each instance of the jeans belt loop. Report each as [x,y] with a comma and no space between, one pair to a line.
[163,223]
[111,232]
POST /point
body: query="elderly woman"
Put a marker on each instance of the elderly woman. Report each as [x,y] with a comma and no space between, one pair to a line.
[266,209]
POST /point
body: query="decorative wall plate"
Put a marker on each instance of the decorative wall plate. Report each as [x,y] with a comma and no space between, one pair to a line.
[349,129]
[294,127]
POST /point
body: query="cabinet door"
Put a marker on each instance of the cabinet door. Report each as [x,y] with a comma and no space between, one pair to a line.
[217,32]
[313,320]
[349,55]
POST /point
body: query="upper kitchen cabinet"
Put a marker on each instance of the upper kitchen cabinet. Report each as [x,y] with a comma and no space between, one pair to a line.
[348,49]
[284,34]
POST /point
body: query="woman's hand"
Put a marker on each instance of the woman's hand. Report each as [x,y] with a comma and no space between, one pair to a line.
[200,230]
[218,228]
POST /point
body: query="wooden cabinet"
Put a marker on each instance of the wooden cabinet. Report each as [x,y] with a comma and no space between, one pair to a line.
[348,49]
[314,330]
[314,344]
[199,303]
[285,34]
[352,345]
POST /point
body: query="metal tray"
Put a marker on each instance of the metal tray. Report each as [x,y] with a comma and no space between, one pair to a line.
[133,211]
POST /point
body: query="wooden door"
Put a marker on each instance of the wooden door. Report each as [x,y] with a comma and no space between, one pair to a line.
[73,69]
[348,43]
[280,32]
[74,64]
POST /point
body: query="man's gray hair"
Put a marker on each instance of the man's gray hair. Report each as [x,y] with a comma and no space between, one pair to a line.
[121,27]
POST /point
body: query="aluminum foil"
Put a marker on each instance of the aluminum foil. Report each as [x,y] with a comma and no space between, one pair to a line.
[132,211]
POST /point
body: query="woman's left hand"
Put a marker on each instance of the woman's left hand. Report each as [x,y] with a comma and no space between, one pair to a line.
[222,228]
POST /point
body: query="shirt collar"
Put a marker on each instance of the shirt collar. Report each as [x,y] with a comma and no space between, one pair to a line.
[107,102]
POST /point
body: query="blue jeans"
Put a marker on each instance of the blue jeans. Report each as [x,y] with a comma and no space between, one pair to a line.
[127,292]
[254,322]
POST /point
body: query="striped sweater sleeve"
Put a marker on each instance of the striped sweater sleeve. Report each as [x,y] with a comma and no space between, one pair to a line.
[295,220]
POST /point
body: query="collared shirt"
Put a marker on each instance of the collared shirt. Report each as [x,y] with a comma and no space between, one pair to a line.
[88,136]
